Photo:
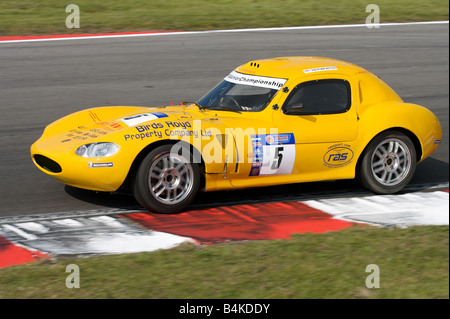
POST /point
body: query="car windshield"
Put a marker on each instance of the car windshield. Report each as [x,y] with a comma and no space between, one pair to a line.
[242,92]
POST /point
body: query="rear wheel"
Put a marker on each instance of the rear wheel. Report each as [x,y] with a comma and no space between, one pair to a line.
[166,182]
[388,163]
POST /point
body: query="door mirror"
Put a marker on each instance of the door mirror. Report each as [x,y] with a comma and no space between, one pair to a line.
[294,109]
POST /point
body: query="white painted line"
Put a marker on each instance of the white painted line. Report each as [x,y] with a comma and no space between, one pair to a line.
[33,227]
[20,232]
[421,208]
[108,221]
[120,243]
[68,217]
[68,222]
[222,31]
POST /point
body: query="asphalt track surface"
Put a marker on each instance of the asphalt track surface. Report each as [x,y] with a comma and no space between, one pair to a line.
[43,81]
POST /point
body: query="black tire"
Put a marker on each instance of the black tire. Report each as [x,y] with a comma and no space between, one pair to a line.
[388,163]
[166,182]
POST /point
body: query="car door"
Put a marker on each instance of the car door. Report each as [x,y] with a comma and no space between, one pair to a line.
[320,113]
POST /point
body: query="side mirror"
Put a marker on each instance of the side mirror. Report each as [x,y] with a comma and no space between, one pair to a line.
[295,109]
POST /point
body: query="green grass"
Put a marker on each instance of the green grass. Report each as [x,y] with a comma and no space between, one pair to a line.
[30,17]
[413,263]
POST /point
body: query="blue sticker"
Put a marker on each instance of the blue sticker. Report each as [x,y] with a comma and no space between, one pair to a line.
[143,117]
[160,114]
[273,154]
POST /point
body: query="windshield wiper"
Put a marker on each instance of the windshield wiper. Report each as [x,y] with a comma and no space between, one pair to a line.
[229,109]
[220,108]
[198,105]
[189,102]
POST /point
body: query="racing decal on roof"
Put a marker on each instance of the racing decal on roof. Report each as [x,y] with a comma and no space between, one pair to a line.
[325,68]
[141,118]
[261,81]
[273,154]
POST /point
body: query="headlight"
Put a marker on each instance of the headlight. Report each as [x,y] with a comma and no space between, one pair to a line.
[102,149]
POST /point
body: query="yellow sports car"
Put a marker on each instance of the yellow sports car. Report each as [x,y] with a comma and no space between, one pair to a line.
[269,122]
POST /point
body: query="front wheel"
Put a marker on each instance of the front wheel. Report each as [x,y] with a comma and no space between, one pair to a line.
[166,182]
[388,163]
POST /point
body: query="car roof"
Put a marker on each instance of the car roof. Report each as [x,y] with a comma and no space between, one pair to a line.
[294,67]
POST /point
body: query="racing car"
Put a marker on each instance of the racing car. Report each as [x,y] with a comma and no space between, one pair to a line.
[268,122]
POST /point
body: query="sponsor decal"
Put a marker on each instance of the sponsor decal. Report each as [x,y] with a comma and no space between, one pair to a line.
[273,154]
[94,116]
[141,118]
[261,81]
[79,134]
[141,136]
[167,128]
[115,125]
[254,171]
[437,141]
[338,155]
[196,134]
[270,139]
[93,165]
[325,68]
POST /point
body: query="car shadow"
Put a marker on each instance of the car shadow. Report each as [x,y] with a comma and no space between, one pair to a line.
[112,200]
[428,173]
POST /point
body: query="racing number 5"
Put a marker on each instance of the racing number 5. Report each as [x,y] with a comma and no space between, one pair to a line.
[278,158]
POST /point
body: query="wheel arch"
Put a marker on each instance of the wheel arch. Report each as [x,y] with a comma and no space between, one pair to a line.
[126,186]
[414,139]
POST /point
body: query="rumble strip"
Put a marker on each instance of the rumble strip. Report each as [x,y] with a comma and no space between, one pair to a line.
[28,238]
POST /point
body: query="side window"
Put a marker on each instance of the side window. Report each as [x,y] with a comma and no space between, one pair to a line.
[317,97]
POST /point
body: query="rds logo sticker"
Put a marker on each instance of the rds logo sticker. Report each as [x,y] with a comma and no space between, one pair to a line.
[338,155]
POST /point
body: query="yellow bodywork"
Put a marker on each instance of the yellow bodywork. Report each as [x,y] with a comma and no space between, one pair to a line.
[226,139]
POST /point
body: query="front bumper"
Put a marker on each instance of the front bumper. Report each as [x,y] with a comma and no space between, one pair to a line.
[99,174]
